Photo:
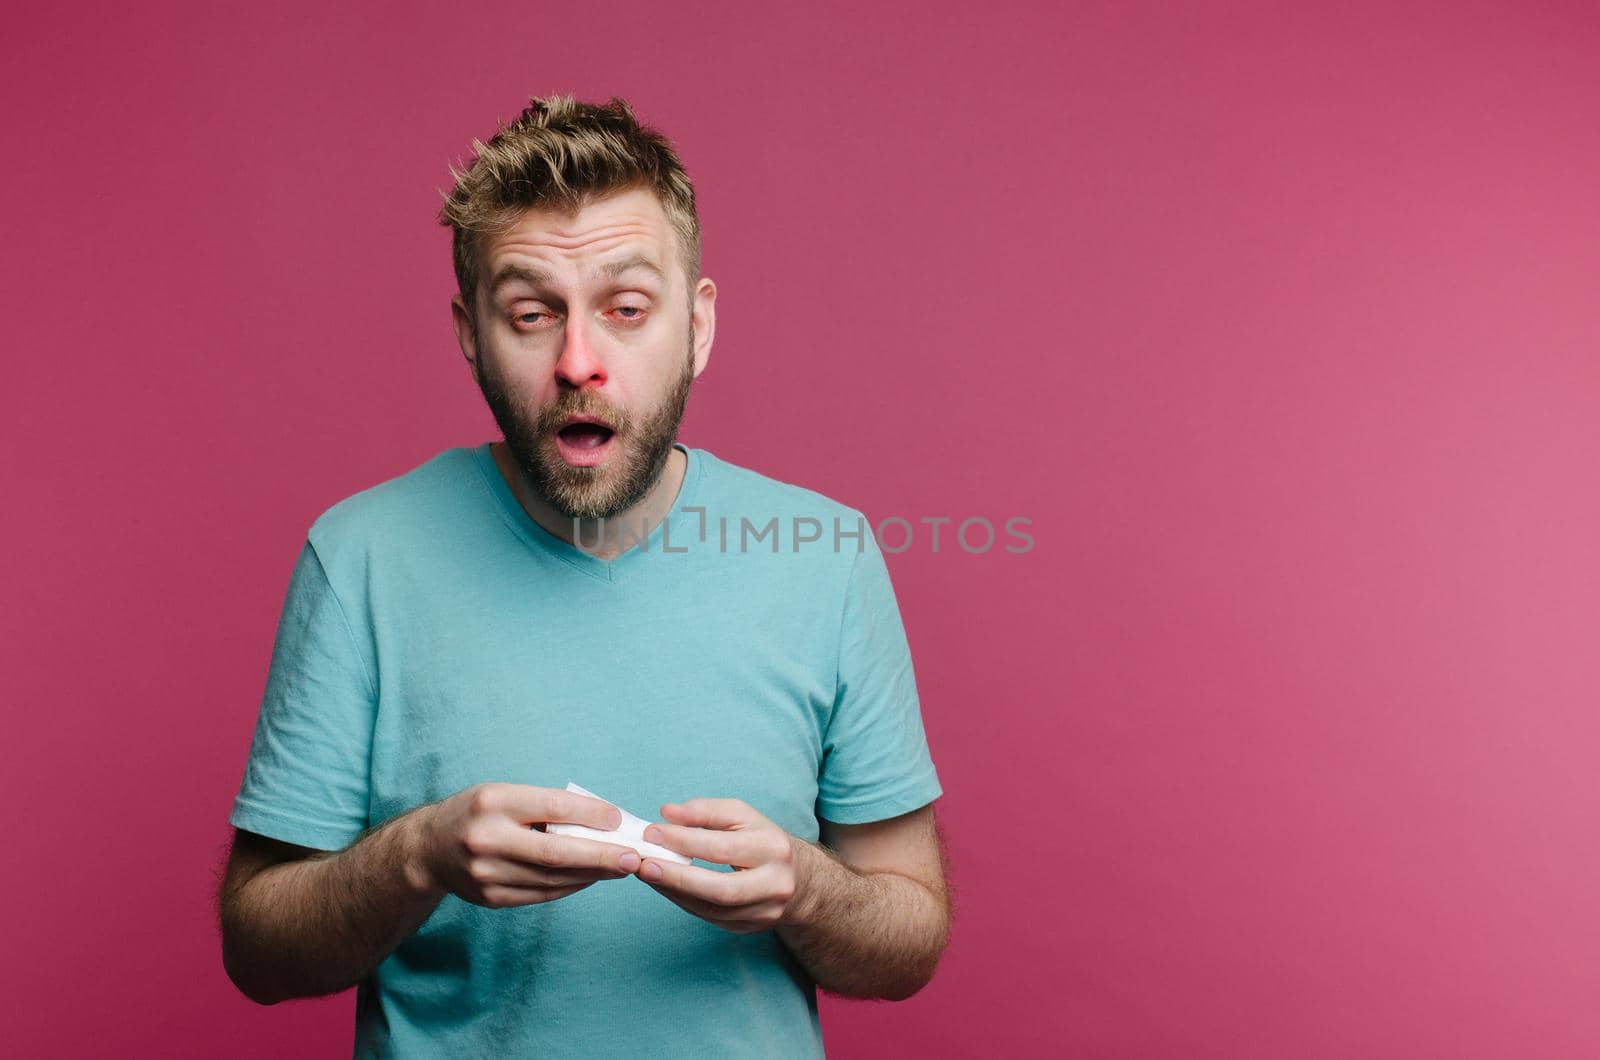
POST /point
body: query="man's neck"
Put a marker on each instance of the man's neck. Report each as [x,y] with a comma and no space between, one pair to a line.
[621,532]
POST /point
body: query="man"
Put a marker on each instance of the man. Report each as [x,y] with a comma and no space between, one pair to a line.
[587,602]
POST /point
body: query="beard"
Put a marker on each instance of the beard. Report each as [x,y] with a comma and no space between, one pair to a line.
[642,444]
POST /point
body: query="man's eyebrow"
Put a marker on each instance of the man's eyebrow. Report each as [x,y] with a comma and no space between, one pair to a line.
[513,272]
[637,261]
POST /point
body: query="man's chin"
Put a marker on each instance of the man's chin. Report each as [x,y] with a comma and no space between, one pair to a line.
[604,490]
[584,492]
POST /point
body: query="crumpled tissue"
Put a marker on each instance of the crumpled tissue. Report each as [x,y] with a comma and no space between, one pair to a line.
[629,834]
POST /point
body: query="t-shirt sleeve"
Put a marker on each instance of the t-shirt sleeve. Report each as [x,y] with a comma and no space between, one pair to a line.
[875,758]
[306,778]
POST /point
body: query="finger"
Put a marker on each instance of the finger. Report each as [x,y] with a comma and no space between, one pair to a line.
[575,852]
[545,850]
[743,849]
[528,804]
[703,910]
[706,910]
[503,896]
[708,885]
[744,919]
[712,813]
[489,870]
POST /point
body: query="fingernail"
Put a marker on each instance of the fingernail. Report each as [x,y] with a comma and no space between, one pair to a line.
[628,862]
[615,818]
[653,834]
[652,871]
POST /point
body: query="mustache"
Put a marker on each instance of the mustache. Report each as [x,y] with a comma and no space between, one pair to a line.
[550,419]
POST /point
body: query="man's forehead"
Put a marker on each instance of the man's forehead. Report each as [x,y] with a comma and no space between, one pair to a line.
[635,210]
[622,232]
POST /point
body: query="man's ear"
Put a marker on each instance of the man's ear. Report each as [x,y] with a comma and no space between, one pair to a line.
[703,317]
[466,331]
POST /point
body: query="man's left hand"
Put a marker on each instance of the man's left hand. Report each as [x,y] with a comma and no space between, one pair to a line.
[771,865]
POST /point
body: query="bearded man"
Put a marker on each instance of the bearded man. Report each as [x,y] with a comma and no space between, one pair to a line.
[586,602]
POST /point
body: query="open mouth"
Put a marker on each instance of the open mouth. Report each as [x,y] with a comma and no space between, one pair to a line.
[583,443]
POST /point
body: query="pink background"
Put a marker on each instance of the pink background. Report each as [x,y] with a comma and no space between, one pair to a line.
[1280,325]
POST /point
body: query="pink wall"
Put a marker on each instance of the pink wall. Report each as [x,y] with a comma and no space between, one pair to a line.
[1281,326]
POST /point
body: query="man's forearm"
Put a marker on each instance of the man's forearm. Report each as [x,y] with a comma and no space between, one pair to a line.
[867,935]
[319,925]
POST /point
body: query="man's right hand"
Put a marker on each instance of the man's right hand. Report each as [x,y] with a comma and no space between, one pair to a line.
[478,845]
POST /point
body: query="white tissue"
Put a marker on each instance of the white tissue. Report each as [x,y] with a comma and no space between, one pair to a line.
[630,834]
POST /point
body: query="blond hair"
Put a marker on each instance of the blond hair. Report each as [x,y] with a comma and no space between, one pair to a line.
[561,154]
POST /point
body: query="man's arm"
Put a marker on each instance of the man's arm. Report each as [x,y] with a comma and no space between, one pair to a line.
[298,922]
[872,914]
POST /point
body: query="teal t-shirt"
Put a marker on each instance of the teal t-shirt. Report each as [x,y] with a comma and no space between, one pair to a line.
[434,636]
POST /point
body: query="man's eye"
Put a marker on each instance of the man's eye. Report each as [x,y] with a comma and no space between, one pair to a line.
[528,318]
[636,310]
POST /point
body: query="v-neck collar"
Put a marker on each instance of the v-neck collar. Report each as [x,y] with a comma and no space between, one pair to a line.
[537,537]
